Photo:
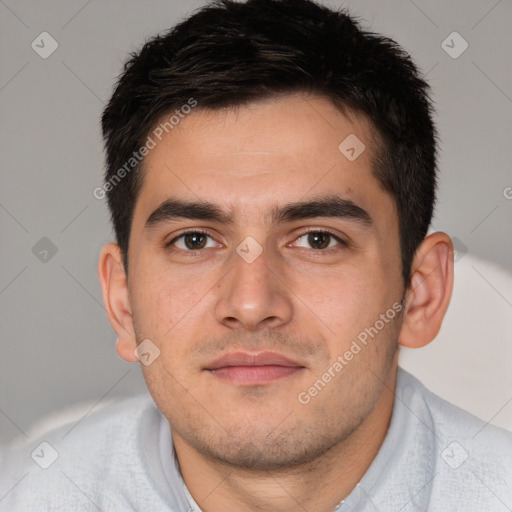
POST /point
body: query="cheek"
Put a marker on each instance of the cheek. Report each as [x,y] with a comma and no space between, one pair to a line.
[154,308]
[342,300]
[348,304]
[162,297]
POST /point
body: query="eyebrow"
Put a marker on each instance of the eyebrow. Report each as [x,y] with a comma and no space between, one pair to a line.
[324,206]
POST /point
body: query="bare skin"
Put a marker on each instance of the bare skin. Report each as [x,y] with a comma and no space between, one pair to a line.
[243,438]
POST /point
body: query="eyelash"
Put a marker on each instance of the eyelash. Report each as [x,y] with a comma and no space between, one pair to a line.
[192,252]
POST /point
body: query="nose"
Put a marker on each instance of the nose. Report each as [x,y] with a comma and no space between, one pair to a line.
[253,295]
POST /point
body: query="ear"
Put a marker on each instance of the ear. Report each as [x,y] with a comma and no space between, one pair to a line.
[429,291]
[114,289]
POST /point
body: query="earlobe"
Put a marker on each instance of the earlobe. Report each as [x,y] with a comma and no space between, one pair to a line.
[429,292]
[114,289]
[125,349]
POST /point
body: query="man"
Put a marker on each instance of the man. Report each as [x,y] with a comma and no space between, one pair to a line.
[271,174]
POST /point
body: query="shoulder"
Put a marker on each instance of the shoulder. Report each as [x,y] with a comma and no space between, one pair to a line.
[450,420]
[71,464]
[472,458]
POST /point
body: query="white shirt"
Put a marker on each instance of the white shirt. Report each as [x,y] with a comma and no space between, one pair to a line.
[435,457]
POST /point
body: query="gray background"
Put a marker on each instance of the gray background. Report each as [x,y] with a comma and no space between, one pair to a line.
[56,344]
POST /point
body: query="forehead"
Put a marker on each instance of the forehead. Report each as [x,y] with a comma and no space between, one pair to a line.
[253,158]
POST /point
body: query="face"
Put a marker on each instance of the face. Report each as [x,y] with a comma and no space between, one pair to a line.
[254,300]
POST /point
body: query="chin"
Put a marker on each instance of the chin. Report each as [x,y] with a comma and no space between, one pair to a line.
[266,448]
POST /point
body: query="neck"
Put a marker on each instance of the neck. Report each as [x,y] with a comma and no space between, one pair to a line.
[319,485]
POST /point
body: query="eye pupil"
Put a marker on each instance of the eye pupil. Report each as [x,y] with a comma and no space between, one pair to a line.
[317,238]
[197,240]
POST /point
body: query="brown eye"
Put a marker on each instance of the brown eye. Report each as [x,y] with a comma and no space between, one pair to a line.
[320,240]
[194,241]
[191,241]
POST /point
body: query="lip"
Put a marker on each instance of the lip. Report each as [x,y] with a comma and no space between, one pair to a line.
[253,368]
[252,359]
